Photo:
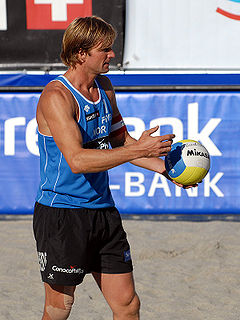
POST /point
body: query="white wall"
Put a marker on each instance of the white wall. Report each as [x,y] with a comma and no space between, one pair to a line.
[182,34]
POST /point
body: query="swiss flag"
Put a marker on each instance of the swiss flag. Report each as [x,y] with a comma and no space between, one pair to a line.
[55,14]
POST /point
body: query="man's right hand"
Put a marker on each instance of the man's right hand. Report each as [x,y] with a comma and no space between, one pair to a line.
[157,146]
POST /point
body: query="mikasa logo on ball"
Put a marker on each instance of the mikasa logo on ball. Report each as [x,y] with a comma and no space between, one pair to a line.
[194,152]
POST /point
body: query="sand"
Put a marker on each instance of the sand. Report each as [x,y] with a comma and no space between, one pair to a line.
[183,270]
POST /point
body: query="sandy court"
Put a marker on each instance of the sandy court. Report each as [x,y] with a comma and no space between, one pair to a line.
[183,270]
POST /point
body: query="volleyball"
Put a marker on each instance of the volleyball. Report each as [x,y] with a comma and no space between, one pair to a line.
[188,162]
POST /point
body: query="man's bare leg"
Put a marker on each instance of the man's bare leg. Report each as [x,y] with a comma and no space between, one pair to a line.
[58,302]
[119,292]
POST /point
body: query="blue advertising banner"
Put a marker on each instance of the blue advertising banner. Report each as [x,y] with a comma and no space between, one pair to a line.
[210,117]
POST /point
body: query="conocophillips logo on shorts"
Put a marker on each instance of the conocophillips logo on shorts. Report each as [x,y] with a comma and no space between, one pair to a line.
[72,269]
[227,13]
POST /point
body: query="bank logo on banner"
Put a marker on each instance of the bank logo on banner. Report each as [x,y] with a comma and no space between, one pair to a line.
[55,14]
[229,9]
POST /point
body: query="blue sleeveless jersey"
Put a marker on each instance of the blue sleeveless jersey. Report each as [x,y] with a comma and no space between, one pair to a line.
[59,186]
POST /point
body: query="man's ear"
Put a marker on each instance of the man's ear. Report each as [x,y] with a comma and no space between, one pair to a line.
[81,55]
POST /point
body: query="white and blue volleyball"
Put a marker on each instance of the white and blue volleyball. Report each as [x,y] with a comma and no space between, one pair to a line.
[188,162]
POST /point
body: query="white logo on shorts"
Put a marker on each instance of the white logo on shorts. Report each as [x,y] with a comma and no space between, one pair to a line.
[72,269]
[42,259]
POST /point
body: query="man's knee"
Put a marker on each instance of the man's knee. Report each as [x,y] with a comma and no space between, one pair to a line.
[128,307]
[58,304]
[59,311]
[134,305]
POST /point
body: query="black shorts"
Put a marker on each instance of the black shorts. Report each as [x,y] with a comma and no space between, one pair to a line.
[73,242]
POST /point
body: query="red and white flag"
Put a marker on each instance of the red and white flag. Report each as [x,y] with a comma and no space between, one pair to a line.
[55,14]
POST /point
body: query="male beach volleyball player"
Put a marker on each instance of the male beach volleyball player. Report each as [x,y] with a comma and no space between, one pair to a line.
[77,228]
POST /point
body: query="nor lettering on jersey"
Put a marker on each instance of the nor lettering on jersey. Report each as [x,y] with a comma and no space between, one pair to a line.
[55,14]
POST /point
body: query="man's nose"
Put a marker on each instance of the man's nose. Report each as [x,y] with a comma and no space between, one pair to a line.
[111,54]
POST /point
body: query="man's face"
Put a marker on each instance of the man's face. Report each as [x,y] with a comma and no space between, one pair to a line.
[98,59]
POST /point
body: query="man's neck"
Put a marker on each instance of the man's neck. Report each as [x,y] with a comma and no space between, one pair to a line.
[80,79]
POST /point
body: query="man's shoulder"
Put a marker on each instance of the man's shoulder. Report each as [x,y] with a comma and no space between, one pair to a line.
[55,88]
[55,94]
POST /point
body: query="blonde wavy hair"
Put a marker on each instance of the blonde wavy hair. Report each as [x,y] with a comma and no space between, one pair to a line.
[85,33]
